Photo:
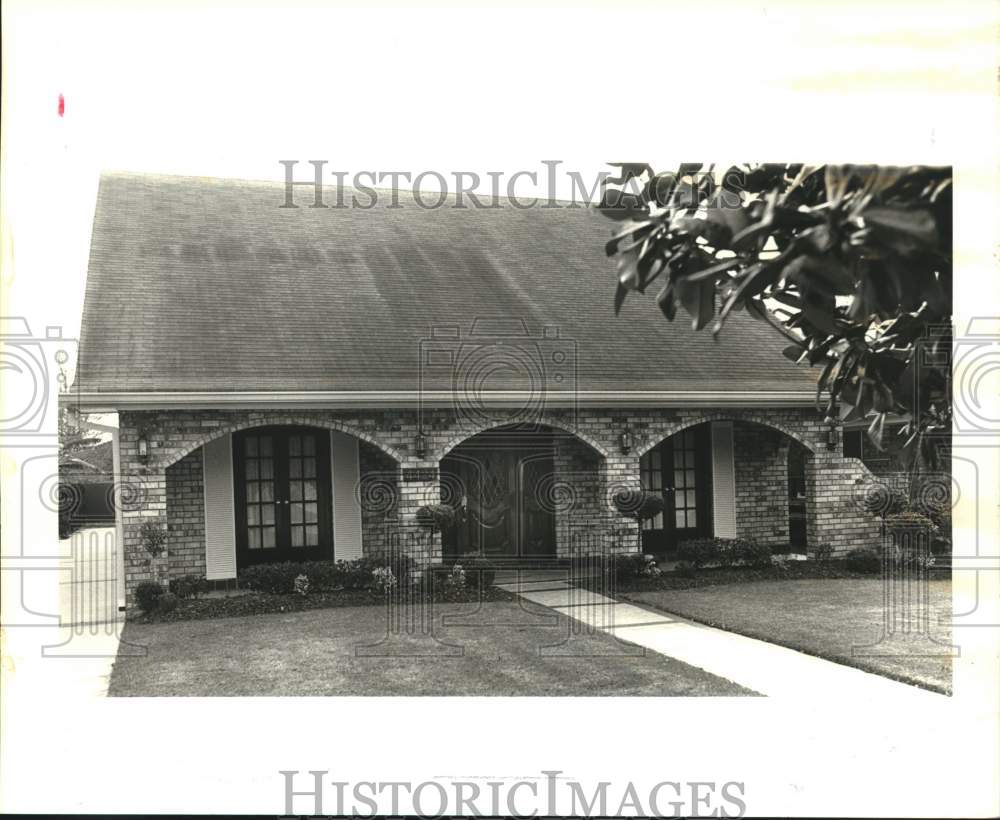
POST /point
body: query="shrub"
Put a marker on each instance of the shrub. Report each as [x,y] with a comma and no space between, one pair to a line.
[301,584]
[479,573]
[864,559]
[437,517]
[822,552]
[699,551]
[189,586]
[276,579]
[147,594]
[908,520]
[383,580]
[753,554]
[627,566]
[638,504]
[154,537]
[167,602]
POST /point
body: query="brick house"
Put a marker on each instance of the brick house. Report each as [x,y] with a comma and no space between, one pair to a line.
[293,383]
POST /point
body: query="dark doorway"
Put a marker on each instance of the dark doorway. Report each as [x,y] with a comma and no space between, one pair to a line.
[501,477]
[680,467]
[283,501]
[797,455]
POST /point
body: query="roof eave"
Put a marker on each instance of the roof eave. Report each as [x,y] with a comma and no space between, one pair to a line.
[339,400]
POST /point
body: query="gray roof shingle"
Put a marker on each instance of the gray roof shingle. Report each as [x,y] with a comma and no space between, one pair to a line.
[201,284]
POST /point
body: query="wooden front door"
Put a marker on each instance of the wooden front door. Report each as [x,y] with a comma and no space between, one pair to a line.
[284,506]
[681,468]
[502,477]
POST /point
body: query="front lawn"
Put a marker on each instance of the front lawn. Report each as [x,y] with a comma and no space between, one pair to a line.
[337,652]
[827,617]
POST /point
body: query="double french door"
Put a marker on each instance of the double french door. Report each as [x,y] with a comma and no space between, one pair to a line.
[281,478]
[680,468]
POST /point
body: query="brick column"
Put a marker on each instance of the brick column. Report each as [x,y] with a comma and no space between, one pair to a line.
[419,484]
[835,514]
[142,490]
[621,471]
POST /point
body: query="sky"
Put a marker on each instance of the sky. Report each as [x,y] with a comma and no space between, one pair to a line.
[229,90]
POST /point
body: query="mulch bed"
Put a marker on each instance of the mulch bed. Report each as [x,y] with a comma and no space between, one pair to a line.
[260,603]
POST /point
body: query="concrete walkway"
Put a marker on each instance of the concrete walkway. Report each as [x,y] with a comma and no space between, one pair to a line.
[764,667]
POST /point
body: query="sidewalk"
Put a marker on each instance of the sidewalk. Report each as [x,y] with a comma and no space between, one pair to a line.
[766,668]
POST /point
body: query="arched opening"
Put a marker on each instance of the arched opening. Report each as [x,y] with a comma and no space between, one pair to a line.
[726,479]
[274,493]
[519,488]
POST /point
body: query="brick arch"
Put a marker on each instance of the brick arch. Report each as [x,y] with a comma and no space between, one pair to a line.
[174,455]
[459,438]
[670,430]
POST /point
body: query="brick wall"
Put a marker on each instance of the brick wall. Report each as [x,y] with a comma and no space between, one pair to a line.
[388,441]
[761,460]
[186,516]
[378,494]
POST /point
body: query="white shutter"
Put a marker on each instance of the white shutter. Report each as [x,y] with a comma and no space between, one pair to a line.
[723,480]
[220,516]
[346,471]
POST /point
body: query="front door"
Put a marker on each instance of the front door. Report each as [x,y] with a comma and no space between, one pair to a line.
[680,467]
[283,501]
[502,477]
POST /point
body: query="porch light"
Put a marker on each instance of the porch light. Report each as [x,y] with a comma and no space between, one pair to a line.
[420,445]
[626,440]
[143,447]
[831,436]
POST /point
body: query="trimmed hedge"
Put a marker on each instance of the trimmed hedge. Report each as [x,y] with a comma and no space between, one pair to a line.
[324,576]
[728,552]
[864,559]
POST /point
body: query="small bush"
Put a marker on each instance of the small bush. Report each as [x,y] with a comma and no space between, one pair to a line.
[753,554]
[864,559]
[479,573]
[908,520]
[147,594]
[700,551]
[437,517]
[383,580]
[276,579]
[154,537]
[638,504]
[821,552]
[628,566]
[189,586]
[167,602]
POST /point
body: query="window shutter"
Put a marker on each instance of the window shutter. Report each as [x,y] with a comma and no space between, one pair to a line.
[723,480]
[220,517]
[346,472]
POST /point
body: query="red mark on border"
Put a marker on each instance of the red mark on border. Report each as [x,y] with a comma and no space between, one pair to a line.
[62,105]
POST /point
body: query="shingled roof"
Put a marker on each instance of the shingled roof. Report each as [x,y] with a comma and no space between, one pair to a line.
[208,285]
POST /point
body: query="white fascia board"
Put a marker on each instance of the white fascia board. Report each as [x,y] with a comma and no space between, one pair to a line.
[330,400]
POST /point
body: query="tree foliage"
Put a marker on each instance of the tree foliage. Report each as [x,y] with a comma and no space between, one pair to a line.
[852,264]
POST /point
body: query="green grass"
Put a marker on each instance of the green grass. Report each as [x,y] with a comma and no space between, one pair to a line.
[316,653]
[824,617]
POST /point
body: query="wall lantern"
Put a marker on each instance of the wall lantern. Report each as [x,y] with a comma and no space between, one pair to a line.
[143,447]
[831,436]
[420,445]
[626,440]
